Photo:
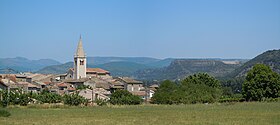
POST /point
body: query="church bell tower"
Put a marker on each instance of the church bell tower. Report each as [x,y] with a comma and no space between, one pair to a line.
[80,62]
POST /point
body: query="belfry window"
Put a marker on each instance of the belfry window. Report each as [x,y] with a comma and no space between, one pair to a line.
[81,62]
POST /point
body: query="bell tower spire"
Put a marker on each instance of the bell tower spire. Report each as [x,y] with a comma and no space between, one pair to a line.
[80,61]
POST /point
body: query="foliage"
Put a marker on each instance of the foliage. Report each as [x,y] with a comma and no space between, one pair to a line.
[167,93]
[4,113]
[74,99]
[232,98]
[234,83]
[261,82]
[101,102]
[48,97]
[16,97]
[203,78]
[197,88]
[124,97]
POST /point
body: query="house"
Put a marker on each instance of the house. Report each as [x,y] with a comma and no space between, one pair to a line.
[131,84]
[23,78]
[65,88]
[116,85]
[95,93]
[3,86]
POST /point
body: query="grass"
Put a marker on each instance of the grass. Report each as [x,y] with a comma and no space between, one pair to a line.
[253,113]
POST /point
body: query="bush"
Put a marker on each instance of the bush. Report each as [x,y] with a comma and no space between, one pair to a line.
[4,113]
[101,102]
[124,97]
[74,99]
[47,97]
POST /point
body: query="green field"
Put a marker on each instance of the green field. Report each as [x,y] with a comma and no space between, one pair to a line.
[254,113]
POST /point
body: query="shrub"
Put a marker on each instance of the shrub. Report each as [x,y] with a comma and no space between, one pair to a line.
[74,99]
[101,102]
[4,113]
[47,97]
[124,97]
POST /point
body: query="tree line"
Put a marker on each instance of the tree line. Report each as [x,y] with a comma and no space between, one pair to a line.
[261,83]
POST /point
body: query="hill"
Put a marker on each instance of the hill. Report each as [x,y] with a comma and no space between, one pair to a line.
[118,66]
[103,60]
[21,64]
[122,68]
[181,68]
[56,69]
[271,58]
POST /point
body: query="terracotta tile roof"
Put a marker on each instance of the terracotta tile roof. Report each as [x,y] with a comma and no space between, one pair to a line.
[24,83]
[47,83]
[94,70]
[97,70]
[62,84]
[71,89]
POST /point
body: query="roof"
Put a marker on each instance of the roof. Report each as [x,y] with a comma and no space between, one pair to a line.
[3,83]
[94,70]
[138,93]
[76,80]
[80,50]
[97,70]
[31,85]
[47,83]
[117,83]
[130,80]
[62,84]
[7,81]
[102,84]
[41,77]
[154,86]
[117,87]
[71,89]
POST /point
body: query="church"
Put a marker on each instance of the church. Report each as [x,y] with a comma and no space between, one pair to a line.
[80,69]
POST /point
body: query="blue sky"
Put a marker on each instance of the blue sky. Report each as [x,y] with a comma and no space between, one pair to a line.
[131,28]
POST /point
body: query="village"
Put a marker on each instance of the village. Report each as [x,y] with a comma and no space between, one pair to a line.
[91,83]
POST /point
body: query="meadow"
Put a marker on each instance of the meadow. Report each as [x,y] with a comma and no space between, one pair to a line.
[247,113]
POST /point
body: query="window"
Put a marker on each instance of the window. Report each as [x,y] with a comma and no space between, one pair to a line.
[81,62]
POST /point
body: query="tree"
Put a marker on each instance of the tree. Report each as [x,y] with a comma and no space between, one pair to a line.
[200,88]
[203,78]
[124,97]
[197,88]
[261,82]
[168,93]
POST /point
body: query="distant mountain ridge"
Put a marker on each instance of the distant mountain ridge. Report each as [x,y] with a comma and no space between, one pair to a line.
[145,68]
[270,58]
[180,68]
[118,66]
[22,64]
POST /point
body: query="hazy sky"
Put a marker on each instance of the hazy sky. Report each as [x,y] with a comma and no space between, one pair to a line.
[148,28]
